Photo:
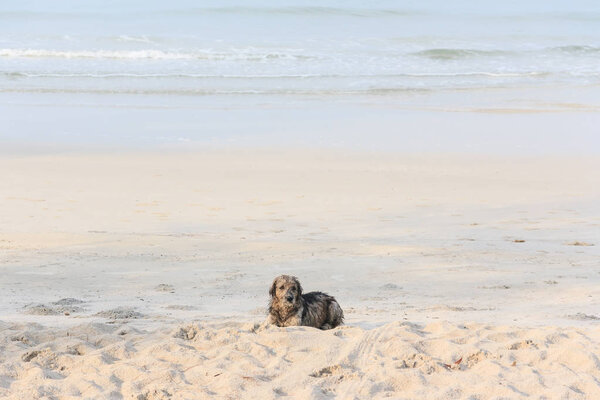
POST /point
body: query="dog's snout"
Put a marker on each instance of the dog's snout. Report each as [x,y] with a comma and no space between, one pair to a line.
[289,297]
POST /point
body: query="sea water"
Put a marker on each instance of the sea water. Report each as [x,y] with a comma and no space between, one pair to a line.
[483,76]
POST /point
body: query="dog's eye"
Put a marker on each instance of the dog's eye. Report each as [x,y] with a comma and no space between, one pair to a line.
[281,287]
[293,289]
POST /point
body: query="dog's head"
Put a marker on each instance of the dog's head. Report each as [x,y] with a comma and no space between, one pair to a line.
[286,291]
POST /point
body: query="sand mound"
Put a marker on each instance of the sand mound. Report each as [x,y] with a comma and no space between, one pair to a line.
[65,306]
[68,301]
[120,313]
[232,361]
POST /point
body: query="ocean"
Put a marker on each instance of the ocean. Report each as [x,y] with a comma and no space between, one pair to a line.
[412,76]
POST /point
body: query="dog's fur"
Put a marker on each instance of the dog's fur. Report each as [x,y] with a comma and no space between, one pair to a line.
[289,307]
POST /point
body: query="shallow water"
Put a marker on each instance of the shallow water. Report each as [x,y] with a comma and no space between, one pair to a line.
[410,76]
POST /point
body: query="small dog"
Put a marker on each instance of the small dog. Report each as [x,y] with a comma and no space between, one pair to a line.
[289,307]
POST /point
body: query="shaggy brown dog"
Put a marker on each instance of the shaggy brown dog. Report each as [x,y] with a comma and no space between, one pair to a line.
[289,307]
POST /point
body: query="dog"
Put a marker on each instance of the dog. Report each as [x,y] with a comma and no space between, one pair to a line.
[289,307]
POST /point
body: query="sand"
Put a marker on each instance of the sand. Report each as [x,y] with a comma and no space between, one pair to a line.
[232,361]
[144,275]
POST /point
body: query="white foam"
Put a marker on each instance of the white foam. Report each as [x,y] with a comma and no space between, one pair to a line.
[234,54]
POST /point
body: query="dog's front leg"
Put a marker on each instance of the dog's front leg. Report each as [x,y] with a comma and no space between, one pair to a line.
[295,320]
[269,321]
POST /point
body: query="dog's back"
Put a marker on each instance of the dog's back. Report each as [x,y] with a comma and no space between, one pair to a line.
[321,311]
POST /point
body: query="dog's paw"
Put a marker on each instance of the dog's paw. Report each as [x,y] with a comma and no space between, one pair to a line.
[260,327]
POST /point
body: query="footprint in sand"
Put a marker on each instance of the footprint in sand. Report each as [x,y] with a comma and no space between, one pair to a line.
[390,286]
[164,287]
[187,332]
[335,370]
[495,287]
[583,317]
[180,307]
[525,344]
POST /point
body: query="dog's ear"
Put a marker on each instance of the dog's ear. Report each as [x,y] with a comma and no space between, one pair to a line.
[273,287]
[298,286]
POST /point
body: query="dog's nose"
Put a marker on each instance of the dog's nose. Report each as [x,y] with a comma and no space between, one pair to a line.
[289,297]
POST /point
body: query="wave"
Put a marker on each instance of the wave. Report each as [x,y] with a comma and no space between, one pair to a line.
[184,91]
[135,39]
[233,10]
[234,55]
[213,92]
[306,10]
[263,55]
[461,53]
[576,49]
[457,54]
[20,74]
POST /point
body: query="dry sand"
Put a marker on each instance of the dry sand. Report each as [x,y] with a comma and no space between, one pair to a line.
[397,360]
[142,275]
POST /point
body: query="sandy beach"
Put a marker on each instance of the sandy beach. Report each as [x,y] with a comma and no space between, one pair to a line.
[433,165]
[145,275]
